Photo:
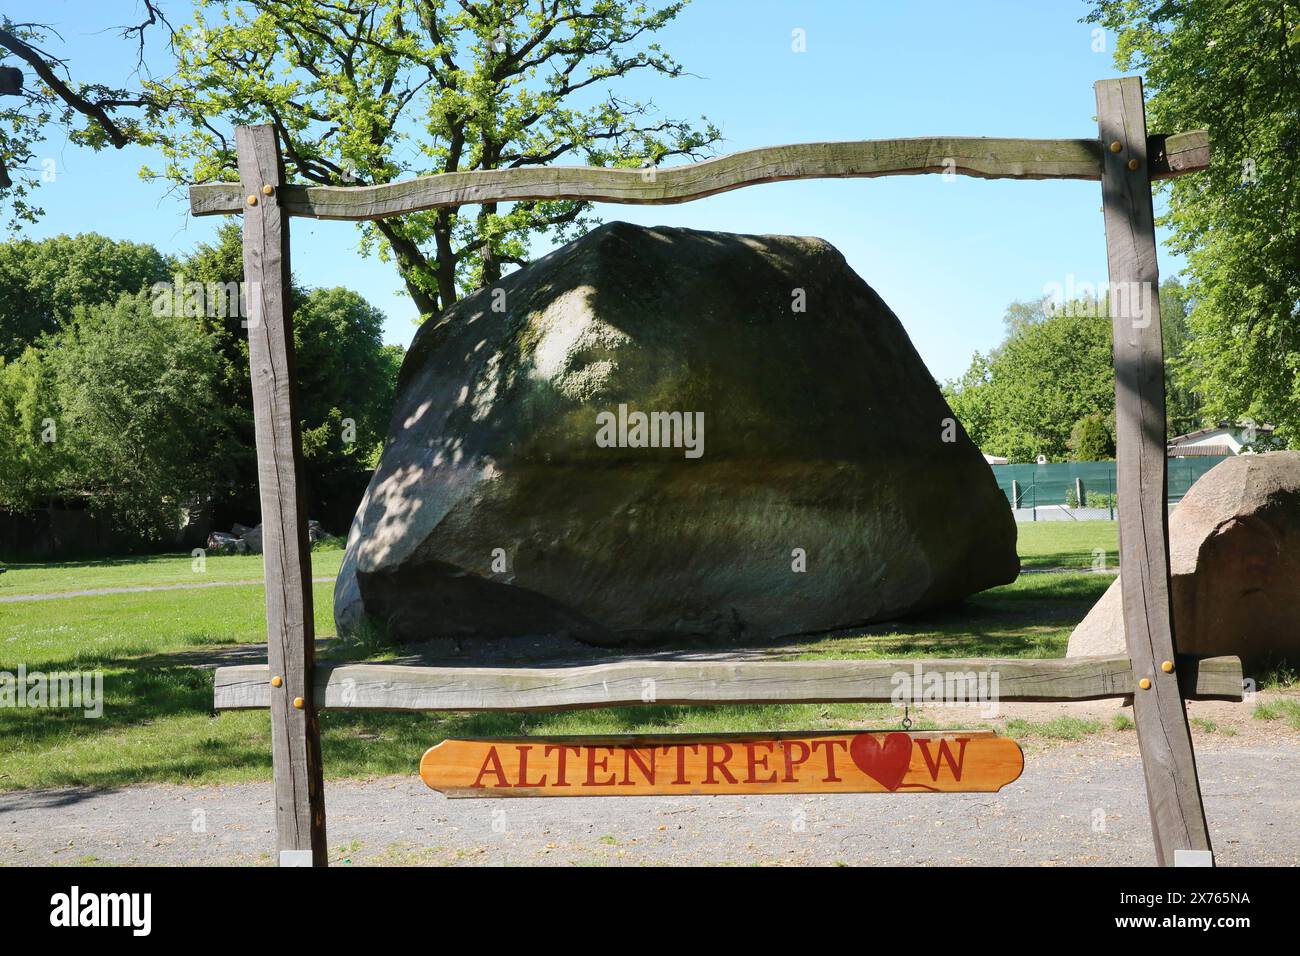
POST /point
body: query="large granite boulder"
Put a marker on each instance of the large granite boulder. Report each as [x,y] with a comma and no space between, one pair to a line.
[1234,558]
[813,478]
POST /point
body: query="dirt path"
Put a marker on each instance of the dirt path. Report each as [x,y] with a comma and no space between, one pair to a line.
[1078,803]
[138,588]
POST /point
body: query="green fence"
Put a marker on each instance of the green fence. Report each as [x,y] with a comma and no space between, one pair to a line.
[1052,484]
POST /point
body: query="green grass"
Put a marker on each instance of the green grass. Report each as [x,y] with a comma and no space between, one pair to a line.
[158,724]
[1032,617]
[1059,728]
[145,570]
[1213,727]
[1068,544]
[1286,709]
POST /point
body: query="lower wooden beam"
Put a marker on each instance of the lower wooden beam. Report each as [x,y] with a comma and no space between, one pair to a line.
[628,683]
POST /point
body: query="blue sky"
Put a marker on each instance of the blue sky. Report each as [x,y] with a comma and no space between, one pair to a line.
[946,254]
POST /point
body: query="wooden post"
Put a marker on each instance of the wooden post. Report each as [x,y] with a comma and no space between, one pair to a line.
[295,725]
[1168,762]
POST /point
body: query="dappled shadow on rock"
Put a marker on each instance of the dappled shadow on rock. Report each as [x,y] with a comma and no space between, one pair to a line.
[826,483]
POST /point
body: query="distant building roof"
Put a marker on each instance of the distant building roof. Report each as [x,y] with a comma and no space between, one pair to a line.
[995,460]
[1260,428]
[1200,451]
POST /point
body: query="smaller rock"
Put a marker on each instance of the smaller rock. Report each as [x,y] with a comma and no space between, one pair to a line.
[1234,558]
[221,543]
[252,539]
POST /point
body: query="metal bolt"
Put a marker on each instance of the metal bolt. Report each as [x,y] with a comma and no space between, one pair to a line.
[252,200]
[267,189]
[277,681]
[299,703]
[1144,683]
[1167,667]
[1133,164]
[1115,147]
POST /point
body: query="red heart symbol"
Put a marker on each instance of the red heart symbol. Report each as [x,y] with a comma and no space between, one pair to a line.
[886,764]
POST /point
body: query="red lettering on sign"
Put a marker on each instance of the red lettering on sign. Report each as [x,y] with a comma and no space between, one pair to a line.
[790,763]
[523,769]
[810,762]
[681,749]
[830,757]
[492,762]
[932,764]
[562,751]
[633,756]
[756,762]
[713,763]
[593,764]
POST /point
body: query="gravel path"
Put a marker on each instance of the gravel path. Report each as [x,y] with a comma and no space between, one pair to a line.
[1078,803]
[138,588]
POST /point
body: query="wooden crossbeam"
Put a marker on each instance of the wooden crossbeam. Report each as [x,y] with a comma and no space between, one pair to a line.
[629,683]
[982,157]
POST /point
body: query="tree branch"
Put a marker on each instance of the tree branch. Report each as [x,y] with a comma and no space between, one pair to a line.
[95,111]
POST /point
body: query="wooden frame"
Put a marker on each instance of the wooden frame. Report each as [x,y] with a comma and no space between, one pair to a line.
[1125,159]
[624,683]
[290,628]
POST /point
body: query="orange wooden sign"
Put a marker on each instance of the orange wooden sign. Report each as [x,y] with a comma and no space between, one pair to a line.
[806,762]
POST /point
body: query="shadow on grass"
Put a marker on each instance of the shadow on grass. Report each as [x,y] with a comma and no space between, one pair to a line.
[1066,559]
[138,560]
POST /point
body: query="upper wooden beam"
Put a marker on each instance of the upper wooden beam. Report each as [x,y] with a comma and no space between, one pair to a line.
[1170,156]
[628,683]
[982,157]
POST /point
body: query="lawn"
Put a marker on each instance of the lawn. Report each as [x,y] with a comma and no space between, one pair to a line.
[1068,544]
[145,570]
[158,724]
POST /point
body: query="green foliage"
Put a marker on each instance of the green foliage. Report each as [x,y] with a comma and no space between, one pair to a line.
[1024,397]
[32,462]
[1091,499]
[1233,68]
[1091,440]
[42,285]
[133,390]
[134,394]
[347,377]
[52,99]
[388,90]
[346,374]
[1050,385]
[43,281]
[1184,405]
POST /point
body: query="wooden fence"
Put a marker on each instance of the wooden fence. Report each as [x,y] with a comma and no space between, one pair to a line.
[1124,158]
